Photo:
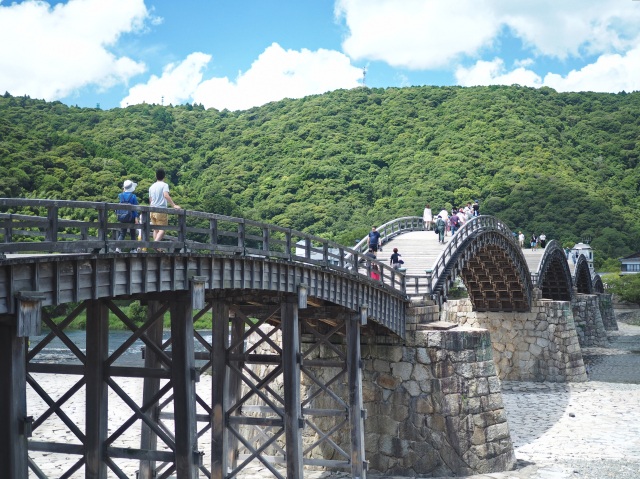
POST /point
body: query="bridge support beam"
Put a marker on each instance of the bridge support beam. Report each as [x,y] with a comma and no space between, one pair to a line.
[219,398]
[293,421]
[356,409]
[13,402]
[96,389]
[183,377]
[148,438]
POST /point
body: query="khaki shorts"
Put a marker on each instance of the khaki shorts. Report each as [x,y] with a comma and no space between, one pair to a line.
[161,219]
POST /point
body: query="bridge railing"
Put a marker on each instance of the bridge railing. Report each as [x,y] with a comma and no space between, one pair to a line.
[427,284]
[54,226]
[392,228]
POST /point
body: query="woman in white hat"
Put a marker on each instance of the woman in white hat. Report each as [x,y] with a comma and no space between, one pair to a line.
[127,216]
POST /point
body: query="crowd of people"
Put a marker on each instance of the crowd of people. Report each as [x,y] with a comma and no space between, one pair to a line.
[447,223]
[535,242]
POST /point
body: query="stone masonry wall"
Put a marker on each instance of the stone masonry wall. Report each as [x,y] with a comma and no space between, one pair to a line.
[434,406]
[538,346]
[589,325]
[607,312]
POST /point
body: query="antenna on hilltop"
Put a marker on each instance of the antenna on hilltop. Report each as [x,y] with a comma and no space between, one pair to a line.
[364,76]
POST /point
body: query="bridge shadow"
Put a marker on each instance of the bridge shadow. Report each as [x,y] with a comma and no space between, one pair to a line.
[533,408]
[619,362]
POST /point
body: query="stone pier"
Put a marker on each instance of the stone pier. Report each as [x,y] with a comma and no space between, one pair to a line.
[607,312]
[588,319]
[434,406]
[541,345]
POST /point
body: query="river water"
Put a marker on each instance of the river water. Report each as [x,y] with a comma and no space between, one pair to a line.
[57,352]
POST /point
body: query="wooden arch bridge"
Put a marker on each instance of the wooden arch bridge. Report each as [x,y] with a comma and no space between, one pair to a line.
[275,297]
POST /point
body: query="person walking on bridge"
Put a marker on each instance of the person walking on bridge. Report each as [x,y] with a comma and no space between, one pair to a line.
[455,222]
[158,197]
[427,217]
[373,240]
[440,228]
[543,240]
[395,261]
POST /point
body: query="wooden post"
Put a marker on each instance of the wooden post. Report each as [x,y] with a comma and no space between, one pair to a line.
[148,438]
[293,421]
[303,292]
[219,381]
[356,410]
[198,284]
[29,313]
[234,388]
[183,372]
[13,403]
[97,338]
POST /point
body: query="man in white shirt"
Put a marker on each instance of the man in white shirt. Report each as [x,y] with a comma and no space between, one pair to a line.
[158,197]
[543,240]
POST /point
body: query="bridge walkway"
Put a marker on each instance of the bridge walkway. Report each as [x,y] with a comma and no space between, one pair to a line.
[420,250]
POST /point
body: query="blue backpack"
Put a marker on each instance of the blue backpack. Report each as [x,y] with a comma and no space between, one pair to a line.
[125,216]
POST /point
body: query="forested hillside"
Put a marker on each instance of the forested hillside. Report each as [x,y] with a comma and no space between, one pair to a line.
[333,164]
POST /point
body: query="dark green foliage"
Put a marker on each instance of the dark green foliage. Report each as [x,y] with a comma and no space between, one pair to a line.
[334,164]
[137,312]
[625,287]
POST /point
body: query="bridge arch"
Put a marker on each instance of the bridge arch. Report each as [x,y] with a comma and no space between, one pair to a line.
[598,285]
[553,277]
[582,276]
[491,265]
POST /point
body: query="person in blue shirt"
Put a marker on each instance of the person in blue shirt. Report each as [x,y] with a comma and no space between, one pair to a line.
[373,240]
[127,196]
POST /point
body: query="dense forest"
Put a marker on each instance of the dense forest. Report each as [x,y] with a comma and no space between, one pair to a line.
[566,164]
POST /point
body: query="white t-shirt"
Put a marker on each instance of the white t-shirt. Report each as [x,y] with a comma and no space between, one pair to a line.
[156,194]
[427,216]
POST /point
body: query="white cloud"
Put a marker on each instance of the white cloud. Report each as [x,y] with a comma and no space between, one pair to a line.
[57,50]
[176,85]
[276,74]
[573,27]
[418,34]
[610,73]
[494,73]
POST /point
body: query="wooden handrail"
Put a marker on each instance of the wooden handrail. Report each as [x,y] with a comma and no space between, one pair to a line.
[189,231]
[200,231]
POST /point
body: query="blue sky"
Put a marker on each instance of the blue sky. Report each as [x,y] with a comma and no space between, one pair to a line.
[237,54]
